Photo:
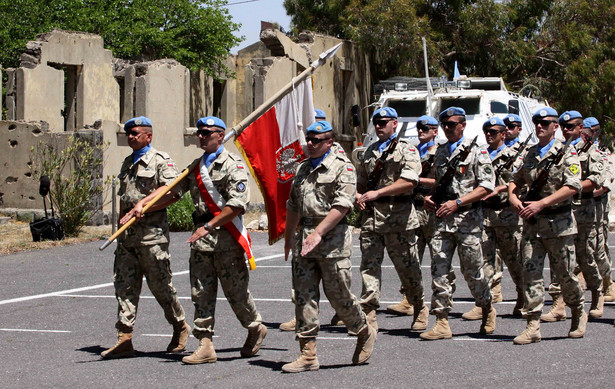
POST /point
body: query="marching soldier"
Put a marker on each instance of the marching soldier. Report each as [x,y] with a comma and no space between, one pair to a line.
[502,233]
[143,249]
[317,231]
[541,193]
[463,176]
[584,211]
[386,177]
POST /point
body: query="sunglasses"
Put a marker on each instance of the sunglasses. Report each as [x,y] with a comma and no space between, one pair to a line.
[315,141]
[204,133]
[424,128]
[133,133]
[544,122]
[381,122]
[570,126]
[512,126]
[450,124]
[491,131]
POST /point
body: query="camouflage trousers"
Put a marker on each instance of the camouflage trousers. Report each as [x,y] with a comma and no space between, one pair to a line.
[401,247]
[562,262]
[585,248]
[131,264]
[443,246]
[601,255]
[336,275]
[502,244]
[206,268]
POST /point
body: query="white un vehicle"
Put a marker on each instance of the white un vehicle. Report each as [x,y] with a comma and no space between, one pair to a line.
[481,98]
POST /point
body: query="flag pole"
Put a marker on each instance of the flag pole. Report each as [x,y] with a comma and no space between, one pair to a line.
[322,58]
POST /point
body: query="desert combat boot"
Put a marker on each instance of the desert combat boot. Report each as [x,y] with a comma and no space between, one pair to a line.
[421,318]
[439,331]
[181,331]
[289,325]
[488,325]
[597,308]
[122,349]
[402,308]
[253,341]
[557,311]
[307,361]
[365,345]
[476,313]
[531,334]
[579,322]
[205,353]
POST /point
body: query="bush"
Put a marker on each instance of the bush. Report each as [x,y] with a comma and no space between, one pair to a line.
[180,214]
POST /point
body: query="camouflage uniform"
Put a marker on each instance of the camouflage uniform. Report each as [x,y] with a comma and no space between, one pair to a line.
[602,255]
[142,250]
[551,232]
[427,220]
[462,229]
[390,223]
[584,211]
[218,256]
[313,193]
[502,234]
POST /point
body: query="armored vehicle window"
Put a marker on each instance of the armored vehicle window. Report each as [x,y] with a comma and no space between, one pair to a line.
[498,107]
[409,108]
[470,104]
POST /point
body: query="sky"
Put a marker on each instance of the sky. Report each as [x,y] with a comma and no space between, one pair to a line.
[250,13]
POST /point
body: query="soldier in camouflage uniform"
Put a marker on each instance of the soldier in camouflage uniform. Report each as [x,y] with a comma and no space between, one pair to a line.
[584,211]
[389,218]
[549,226]
[215,254]
[142,250]
[502,233]
[459,223]
[322,193]
[601,197]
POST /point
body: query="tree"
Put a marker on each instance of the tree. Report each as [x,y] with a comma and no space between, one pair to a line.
[199,34]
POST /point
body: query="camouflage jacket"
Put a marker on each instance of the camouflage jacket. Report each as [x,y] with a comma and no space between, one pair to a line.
[592,168]
[505,216]
[312,195]
[390,215]
[476,170]
[230,177]
[426,162]
[152,171]
[568,172]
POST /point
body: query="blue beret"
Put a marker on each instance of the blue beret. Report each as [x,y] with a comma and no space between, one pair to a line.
[320,127]
[210,121]
[544,112]
[512,118]
[140,121]
[590,122]
[494,121]
[427,120]
[319,114]
[569,115]
[386,112]
[452,111]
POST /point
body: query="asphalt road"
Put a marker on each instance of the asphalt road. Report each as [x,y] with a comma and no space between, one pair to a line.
[57,313]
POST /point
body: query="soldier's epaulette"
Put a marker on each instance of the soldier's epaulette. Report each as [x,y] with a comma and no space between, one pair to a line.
[163,154]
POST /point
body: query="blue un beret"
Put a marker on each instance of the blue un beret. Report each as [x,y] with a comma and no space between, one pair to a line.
[451,111]
[319,114]
[320,127]
[494,121]
[590,122]
[512,118]
[386,112]
[427,120]
[569,115]
[140,121]
[544,112]
[210,121]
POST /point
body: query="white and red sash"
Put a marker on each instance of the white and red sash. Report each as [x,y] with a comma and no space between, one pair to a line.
[215,202]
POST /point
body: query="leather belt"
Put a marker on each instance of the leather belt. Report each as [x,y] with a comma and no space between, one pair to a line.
[496,206]
[312,221]
[556,210]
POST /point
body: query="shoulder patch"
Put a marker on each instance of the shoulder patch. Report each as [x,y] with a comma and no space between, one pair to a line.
[483,151]
[350,168]
[239,166]
[241,187]
[574,168]
[171,164]
[573,152]
[412,148]
[341,151]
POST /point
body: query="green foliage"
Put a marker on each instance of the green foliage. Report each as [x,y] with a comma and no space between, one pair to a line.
[180,214]
[197,33]
[75,171]
[354,217]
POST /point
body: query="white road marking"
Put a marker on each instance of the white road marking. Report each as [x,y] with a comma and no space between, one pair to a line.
[29,330]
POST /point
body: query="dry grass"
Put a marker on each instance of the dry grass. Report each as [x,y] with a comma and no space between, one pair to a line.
[15,237]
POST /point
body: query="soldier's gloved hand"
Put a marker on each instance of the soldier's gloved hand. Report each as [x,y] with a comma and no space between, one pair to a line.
[310,242]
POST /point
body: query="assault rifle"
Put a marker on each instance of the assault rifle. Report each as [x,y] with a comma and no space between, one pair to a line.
[374,177]
[509,163]
[606,146]
[438,191]
[533,194]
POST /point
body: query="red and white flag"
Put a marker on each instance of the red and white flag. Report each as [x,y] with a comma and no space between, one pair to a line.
[272,146]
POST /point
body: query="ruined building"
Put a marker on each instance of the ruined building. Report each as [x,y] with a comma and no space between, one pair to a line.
[68,82]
